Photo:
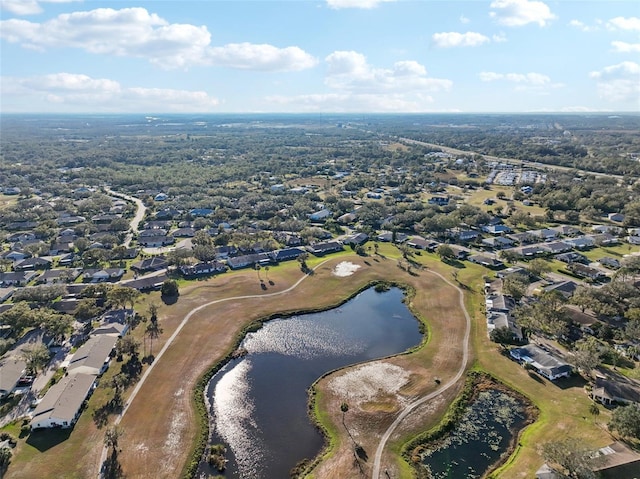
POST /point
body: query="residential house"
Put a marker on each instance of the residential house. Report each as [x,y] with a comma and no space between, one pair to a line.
[460,252]
[150,283]
[201,212]
[320,249]
[556,247]
[388,237]
[17,278]
[12,368]
[530,251]
[356,239]
[15,255]
[544,362]
[572,257]
[605,239]
[286,254]
[320,215]
[567,230]
[439,200]
[419,242]
[523,238]
[565,288]
[184,233]
[586,271]
[202,269]
[347,218]
[93,357]
[156,241]
[487,261]
[155,263]
[223,252]
[67,275]
[32,263]
[67,259]
[496,229]
[613,230]
[609,262]
[609,391]
[238,262]
[63,402]
[544,234]
[617,217]
[497,242]
[511,271]
[102,275]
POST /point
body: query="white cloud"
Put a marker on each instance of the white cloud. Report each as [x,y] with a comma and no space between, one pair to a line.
[622,23]
[27,7]
[455,39]
[349,70]
[464,19]
[248,56]
[135,32]
[517,13]
[80,93]
[525,78]
[366,4]
[358,86]
[499,38]
[529,82]
[624,47]
[619,83]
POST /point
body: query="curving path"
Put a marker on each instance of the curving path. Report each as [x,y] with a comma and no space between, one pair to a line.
[166,346]
[409,408]
[137,219]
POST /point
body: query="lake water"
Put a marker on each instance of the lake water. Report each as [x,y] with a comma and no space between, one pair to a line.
[258,402]
[479,439]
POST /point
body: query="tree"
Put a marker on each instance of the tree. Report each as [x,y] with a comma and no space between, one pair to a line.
[587,354]
[515,285]
[178,257]
[5,458]
[86,309]
[538,267]
[502,335]
[36,357]
[20,317]
[626,421]
[153,331]
[170,288]
[127,345]
[44,294]
[59,326]
[583,298]
[122,296]
[445,252]
[111,437]
[204,252]
[594,410]
[571,458]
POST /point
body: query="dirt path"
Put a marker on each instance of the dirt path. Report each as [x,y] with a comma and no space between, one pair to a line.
[137,219]
[409,408]
[166,346]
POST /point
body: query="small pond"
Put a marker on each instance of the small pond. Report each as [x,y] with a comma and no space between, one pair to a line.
[258,403]
[480,438]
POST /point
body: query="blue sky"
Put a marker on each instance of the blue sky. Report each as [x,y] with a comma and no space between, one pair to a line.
[319,56]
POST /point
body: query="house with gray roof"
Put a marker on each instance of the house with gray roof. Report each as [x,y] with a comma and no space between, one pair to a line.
[93,356]
[62,404]
[11,370]
[545,363]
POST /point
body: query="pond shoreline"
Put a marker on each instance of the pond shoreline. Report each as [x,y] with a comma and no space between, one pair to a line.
[476,383]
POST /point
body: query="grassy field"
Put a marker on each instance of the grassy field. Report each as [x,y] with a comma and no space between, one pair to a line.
[160,425]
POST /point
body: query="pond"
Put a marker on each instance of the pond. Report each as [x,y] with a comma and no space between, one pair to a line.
[479,439]
[259,403]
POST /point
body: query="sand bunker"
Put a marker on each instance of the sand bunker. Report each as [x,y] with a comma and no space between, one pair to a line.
[369,381]
[345,268]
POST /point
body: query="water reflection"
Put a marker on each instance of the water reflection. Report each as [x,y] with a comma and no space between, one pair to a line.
[259,402]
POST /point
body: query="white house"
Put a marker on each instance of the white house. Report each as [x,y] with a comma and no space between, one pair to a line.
[62,405]
[93,356]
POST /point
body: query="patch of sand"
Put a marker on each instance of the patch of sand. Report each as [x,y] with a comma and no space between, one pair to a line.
[345,268]
[369,382]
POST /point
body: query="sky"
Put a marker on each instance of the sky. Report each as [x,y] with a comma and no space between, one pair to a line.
[334,56]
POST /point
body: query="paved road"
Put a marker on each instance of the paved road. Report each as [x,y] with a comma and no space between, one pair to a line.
[537,165]
[166,346]
[409,408]
[137,219]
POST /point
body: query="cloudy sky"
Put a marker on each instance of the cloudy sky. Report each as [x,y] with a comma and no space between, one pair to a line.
[319,56]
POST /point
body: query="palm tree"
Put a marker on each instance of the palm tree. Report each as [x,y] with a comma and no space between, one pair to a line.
[266,272]
[153,331]
[594,410]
